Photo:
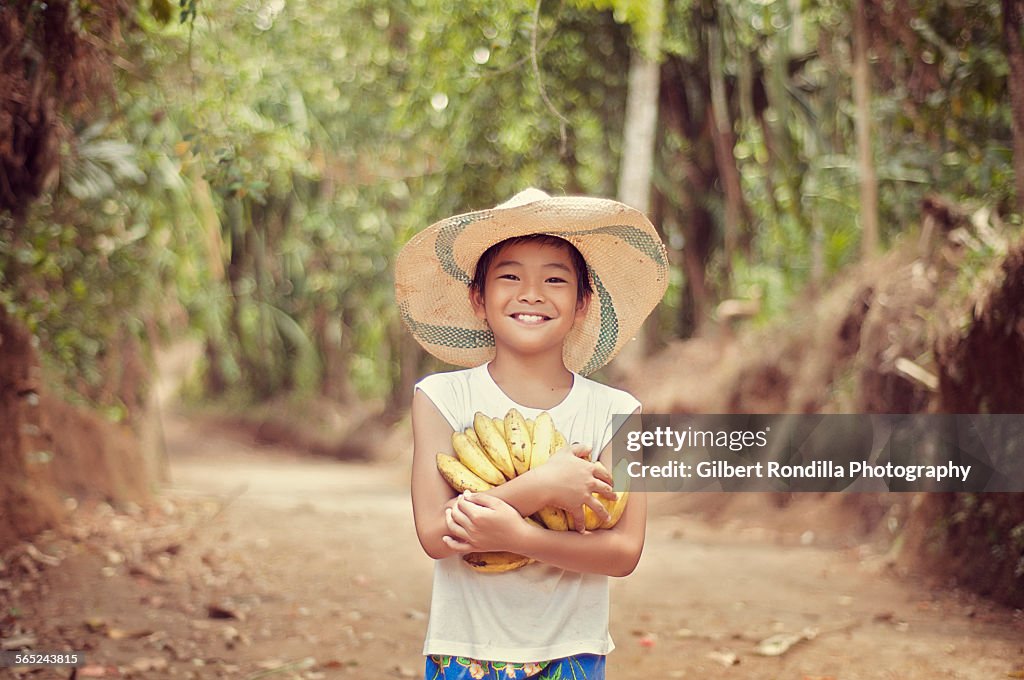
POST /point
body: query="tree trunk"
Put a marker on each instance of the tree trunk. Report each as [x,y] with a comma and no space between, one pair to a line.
[332,335]
[22,510]
[862,101]
[692,174]
[409,354]
[638,138]
[724,140]
[1013,20]
[697,237]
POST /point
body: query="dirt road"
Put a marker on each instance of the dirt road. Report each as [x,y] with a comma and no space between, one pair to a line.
[260,562]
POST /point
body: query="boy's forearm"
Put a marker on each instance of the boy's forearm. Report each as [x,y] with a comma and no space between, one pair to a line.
[522,493]
[605,551]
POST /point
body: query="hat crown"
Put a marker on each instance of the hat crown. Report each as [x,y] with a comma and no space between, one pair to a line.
[527,195]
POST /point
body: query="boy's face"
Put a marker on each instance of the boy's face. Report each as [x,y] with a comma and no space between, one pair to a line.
[530,297]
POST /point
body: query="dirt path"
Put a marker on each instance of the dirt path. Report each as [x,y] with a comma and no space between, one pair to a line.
[338,540]
[259,562]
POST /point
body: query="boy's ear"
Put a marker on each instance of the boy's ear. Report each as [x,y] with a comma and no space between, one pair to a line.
[477,302]
[582,306]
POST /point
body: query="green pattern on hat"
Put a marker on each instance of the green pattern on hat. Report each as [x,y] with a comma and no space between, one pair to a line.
[444,247]
[640,240]
[447,336]
[608,336]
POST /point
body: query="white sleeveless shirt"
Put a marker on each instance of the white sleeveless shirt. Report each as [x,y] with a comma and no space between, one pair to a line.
[538,612]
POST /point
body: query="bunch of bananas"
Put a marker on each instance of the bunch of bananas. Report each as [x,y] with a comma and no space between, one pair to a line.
[495,450]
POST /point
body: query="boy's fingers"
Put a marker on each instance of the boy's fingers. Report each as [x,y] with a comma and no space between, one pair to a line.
[602,473]
[607,491]
[580,450]
[459,514]
[454,528]
[598,508]
[481,499]
[578,520]
[457,546]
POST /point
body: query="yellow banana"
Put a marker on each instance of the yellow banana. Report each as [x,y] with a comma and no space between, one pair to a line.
[590,519]
[618,506]
[554,518]
[529,427]
[542,437]
[559,441]
[473,457]
[494,444]
[495,562]
[458,476]
[518,440]
[615,508]
[499,425]
[471,433]
[541,440]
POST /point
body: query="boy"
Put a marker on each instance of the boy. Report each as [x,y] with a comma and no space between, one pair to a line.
[530,294]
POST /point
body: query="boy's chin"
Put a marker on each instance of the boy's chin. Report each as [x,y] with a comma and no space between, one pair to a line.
[531,350]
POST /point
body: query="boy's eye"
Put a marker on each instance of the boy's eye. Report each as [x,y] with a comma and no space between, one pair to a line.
[510,277]
[555,279]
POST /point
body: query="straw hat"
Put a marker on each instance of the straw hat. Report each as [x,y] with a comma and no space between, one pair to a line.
[625,257]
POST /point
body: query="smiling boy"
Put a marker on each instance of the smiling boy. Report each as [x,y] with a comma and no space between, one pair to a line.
[558,285]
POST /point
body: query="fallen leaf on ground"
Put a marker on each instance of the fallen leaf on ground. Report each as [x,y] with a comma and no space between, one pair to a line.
[777,645]
[144,664]
[48,560]
[122,634]
[18,642]
[150,571]
[724,658]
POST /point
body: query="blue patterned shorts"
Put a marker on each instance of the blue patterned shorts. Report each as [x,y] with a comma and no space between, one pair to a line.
[578,667]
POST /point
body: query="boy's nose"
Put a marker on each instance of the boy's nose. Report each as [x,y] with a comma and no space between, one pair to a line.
[530,294]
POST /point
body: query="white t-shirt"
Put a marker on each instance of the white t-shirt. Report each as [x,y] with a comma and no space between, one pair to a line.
[538,612]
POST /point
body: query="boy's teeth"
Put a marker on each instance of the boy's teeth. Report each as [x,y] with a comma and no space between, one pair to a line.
[529,317]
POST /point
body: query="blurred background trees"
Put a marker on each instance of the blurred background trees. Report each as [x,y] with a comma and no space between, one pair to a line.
[251,168]
[261,162]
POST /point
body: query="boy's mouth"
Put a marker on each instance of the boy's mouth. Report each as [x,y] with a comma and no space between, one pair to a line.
[530,318]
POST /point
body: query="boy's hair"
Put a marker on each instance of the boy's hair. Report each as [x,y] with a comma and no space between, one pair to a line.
[583,288]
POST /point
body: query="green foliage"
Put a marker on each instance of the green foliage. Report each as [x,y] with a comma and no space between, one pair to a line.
[267,159]
[86,265]
[329,134]
[941,120]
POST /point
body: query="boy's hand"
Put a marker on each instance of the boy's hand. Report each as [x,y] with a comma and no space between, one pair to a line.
[479,522]
[570,479]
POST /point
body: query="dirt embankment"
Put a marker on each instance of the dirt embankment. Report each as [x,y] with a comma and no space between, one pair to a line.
[925,328]
[51,450]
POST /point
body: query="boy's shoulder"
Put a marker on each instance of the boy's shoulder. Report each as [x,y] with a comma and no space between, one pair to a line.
[447,378]
[600,391]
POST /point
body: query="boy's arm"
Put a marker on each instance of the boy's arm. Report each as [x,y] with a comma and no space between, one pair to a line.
[566,481]
[479,522]
[431,495]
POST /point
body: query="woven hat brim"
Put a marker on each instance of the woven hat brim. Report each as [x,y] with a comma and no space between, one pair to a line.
[627,263]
